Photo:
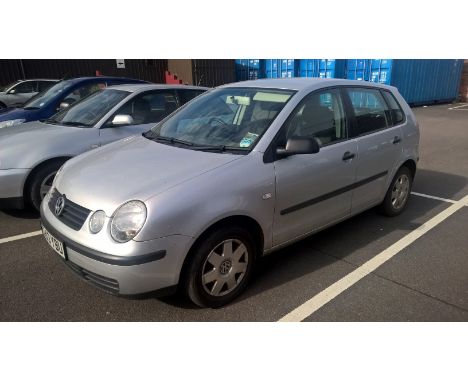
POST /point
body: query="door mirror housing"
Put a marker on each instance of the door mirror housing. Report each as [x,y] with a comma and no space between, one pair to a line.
[12,91]
[298,145]
[122,119]
[63,105]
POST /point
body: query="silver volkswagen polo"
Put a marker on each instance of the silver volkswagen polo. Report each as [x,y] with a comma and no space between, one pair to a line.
[237,173]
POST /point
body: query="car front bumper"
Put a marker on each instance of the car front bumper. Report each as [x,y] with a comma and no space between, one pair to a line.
[11,187]
[148,266]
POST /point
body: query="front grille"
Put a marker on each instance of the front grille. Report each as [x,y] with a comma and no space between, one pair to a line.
[72,215]
[106,283]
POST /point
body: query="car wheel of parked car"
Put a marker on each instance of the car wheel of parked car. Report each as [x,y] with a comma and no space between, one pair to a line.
[41,182]
[2,106]
[220,267]
[398,192]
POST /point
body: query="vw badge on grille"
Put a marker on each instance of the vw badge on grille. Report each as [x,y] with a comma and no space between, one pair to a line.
[59,205]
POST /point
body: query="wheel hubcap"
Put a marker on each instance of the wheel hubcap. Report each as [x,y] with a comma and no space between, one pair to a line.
[46,184]
[225,267]
[400,191]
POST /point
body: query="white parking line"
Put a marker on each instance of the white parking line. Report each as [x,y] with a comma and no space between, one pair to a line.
[328,294]
[459,106]
[433,197]
[19,237]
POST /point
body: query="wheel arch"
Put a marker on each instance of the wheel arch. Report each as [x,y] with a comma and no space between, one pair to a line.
[243,221]
[37,167]
[411,165]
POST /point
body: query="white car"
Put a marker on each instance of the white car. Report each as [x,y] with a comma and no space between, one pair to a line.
[18,92]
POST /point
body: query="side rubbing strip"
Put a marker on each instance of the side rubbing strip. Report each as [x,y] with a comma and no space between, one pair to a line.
[332,194]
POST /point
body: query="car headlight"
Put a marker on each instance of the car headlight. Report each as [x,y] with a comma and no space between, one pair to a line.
[11,122]
[96,221]
[128,221]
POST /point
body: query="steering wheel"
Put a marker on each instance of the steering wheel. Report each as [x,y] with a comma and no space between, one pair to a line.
[90,113]
[216,119]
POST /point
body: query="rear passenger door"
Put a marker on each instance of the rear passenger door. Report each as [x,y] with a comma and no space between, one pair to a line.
[145,109]
[378,140]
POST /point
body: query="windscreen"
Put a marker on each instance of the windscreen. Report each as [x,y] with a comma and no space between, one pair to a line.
[44,97]
[90,110]
[228,117]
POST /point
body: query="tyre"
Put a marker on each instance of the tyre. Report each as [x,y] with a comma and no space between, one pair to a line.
[220,267]
[41,182]
[398,193]
[2,106]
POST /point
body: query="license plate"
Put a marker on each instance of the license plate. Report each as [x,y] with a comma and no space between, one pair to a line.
[56,245]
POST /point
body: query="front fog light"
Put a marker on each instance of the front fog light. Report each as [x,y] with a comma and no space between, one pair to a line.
[128,221]
[96,222]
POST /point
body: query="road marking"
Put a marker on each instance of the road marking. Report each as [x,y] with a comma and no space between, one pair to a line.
[328,294]
[19,237]
[459,106]
[433,197]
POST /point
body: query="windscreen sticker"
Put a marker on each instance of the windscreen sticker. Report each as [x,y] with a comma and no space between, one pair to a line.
[248,140]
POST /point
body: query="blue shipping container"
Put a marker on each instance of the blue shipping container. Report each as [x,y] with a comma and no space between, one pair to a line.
[248,69]
[418,81]
[323,68]
[281,68]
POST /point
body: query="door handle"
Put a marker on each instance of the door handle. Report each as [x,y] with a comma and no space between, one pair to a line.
[94,146]
[396,140]
[348,155]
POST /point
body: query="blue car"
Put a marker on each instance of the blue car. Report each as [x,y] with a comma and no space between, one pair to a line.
[61,95]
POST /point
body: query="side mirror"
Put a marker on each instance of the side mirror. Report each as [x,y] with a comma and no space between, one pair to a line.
[12,91]
[63,105]
[122,119]
[298,145]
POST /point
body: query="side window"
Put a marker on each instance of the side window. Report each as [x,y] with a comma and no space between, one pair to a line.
[397,115]
[187,95]
[25,87]
[43,85]
[370,110]
[320,115]
[149,107]
[82,92]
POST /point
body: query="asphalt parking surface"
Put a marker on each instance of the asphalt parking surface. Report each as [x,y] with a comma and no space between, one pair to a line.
[426,281]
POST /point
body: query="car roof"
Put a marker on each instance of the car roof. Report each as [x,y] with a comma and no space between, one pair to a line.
[39,79]
[301,83]
[139,87]
[102,78]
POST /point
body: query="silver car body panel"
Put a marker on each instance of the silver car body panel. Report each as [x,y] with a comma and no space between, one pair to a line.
[187,191]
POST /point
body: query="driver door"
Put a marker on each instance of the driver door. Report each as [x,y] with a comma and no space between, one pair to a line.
[145,110]
[313,190]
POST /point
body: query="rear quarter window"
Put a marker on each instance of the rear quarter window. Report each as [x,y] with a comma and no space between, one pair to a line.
[370,109]
[396,113]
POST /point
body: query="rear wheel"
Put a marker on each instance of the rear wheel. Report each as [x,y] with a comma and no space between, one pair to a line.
[398,193]
[41,182]
[221,267]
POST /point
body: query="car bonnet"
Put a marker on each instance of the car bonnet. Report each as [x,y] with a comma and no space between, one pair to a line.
[135,168]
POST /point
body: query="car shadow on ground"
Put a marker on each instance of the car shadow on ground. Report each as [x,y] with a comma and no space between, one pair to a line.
[355,240]
[27,213]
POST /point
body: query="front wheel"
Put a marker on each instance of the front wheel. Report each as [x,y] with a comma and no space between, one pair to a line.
[221,267]
[41,182]
[398,193]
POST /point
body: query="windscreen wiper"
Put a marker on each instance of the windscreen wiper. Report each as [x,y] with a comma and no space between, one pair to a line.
[220,148]
[167,139]
[72,123]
